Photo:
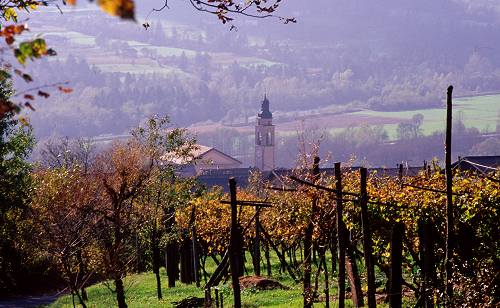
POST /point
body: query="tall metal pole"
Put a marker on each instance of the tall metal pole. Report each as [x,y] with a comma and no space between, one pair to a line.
[233,251]
[449,200]
[340,236]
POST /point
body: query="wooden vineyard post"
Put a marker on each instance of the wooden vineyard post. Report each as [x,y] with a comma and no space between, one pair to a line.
[208,298]
[308,245]
[234,245]
[340,236]
[353,275]
[268,260]
[400,174]
[427,261]
[327,283]
[396,278]
[256,244]
[449,200]
[349,248]
[194,244]
[367,242]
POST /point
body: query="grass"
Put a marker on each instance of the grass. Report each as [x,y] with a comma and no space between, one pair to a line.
[141,291]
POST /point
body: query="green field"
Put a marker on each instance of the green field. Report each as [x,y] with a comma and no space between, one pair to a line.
[106,59]
[479,111]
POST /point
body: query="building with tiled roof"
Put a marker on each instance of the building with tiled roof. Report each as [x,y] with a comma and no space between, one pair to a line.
[202,158]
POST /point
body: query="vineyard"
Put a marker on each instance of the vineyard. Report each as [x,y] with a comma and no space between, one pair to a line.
[406,236]
[342,236]
[406,233]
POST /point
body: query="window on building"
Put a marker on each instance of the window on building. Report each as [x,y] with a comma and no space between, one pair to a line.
[269,138]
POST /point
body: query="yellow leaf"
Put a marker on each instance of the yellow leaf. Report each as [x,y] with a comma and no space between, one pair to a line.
[122,8]
[24,120]
[10,13]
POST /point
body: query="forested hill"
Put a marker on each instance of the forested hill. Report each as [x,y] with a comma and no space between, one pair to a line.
[342,54]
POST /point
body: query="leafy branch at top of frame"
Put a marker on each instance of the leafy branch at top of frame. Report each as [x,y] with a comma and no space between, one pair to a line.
[250,8]
[22,52]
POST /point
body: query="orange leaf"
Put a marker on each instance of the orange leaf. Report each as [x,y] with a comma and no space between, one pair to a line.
[9,40]
[122,8]
[65,90]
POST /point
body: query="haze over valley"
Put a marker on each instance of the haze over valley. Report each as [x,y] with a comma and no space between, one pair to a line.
[344,64]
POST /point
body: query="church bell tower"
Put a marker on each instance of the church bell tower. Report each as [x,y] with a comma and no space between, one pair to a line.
[264,138]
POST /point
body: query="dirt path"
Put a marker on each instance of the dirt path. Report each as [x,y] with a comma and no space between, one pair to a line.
[30,301]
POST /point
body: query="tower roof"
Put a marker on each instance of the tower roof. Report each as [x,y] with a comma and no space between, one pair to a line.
[264,109]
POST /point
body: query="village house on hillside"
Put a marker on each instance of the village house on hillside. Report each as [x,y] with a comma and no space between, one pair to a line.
[208,162]
[202,158]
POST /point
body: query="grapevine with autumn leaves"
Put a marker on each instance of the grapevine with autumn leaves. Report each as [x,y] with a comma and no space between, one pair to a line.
[477,206]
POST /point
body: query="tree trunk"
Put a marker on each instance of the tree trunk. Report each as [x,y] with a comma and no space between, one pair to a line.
[156,260]
[120,292]
[186,262]
[83,271]
[172,249]
[172,263]
[84,295]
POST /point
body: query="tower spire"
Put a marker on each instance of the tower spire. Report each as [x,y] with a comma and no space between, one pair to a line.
[265,113]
